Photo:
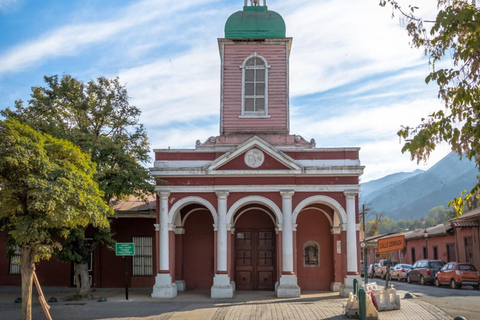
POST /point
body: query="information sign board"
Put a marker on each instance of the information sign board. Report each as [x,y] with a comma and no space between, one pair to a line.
[125,249]
[391,244]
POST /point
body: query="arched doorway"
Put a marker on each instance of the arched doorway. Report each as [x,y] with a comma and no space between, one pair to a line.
[255,248]
[314,242]
[198,248]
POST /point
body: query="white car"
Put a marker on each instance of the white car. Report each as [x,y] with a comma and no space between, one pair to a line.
[399,272]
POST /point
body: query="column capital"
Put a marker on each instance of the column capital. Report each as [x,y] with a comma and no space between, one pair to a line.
[350,193]
[171,227]
[287,193]
[223,194]
[164,195]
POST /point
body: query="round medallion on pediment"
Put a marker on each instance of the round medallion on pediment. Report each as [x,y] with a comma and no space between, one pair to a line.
[254,158]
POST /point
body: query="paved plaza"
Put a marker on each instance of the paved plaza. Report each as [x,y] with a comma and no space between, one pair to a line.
[198,305]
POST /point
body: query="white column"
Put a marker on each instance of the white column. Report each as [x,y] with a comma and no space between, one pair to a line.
[164,288]
[288,287]
[222,231]
[287,232]
[164,246]
[222,286]
[352,270]
[351,233]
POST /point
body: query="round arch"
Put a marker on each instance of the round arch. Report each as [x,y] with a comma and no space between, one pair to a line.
[338,209]
[255,199]
[256,208]
[175,209]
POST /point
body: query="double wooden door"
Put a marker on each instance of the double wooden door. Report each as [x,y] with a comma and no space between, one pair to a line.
[254,259]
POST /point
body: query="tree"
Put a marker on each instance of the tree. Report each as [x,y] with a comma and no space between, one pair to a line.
[46,190]
[98,118]
[454,36]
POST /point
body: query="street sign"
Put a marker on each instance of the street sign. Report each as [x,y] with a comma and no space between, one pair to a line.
[390,244]
[125,249]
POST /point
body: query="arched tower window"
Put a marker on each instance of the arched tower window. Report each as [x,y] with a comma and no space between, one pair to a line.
[255,86]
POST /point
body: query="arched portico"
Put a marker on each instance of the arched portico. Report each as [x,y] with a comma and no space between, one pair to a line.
[321,199]
[254,200]
[175,210]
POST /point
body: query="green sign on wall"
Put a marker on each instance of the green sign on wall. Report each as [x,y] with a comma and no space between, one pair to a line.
[125,249]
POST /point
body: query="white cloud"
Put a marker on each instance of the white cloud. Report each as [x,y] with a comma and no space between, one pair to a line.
[6,4]
[70,40]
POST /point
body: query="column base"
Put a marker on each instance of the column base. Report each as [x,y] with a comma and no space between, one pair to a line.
[180,285]
[347,285]
[164,288]
[222,287]
[288,287]
[335,286]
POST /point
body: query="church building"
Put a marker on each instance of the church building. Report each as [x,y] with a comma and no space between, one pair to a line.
[256,208]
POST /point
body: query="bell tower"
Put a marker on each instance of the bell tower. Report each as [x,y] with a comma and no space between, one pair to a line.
[254,72]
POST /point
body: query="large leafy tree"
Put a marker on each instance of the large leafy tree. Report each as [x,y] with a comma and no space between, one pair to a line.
[452,44]
[47,189]
[98,117]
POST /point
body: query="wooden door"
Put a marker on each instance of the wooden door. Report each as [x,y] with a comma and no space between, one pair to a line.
[255,259]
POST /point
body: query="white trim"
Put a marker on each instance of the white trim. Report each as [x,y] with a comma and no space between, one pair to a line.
[287,79]
[222,76]
[258,188]
[318,209]
[288,148]
[306,163]
[253,117]
[190,212]
[255,114]
[256,208]
[175,209]
[258,143]
[338,209]
[254,199]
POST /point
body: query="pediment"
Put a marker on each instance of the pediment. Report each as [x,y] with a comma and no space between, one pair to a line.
[255,154]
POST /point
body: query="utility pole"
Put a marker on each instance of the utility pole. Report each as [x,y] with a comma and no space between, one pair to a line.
[365,257]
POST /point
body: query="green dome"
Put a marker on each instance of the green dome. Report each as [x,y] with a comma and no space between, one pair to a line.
[255,22]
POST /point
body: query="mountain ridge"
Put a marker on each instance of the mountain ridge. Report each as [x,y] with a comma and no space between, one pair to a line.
[412,194]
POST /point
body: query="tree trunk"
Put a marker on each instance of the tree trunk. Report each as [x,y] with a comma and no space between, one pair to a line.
[26,269]
[83,281]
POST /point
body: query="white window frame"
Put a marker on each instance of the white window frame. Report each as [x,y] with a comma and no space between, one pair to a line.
[142,261]
[14,266]
[254,114]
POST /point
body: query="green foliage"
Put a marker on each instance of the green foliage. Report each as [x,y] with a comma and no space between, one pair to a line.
[98,118]
[46,188]
[382,225]
[453,36]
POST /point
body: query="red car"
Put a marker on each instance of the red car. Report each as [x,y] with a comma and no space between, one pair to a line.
[458,274]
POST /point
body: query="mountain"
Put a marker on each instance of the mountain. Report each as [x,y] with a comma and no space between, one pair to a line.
[412,195]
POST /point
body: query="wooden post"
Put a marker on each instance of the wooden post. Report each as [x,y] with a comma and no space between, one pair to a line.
[41,297]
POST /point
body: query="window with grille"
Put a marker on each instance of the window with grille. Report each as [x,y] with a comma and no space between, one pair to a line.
[15,262]
[143,258]
[255,86]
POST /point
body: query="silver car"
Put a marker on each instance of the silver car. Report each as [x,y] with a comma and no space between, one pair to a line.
[399,272]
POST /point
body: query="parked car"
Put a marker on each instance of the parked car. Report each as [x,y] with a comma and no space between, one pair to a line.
[371,270]
[458,274]
[381,270]
[424,271]
[400,271]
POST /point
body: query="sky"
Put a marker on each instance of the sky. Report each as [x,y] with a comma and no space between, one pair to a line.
[354,78]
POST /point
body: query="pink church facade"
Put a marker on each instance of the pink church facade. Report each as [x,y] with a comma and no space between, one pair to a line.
[256,208]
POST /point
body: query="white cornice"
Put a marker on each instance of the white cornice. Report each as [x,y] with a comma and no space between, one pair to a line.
[258,188]
[195,172]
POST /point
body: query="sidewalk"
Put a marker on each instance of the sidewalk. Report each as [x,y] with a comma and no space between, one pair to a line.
[198,305]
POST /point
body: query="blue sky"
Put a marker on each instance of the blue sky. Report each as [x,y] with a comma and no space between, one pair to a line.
[354,79]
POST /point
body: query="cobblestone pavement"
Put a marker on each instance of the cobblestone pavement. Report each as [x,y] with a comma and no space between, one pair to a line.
[198,305]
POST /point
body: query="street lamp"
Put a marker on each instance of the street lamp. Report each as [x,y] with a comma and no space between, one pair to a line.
[425,235]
